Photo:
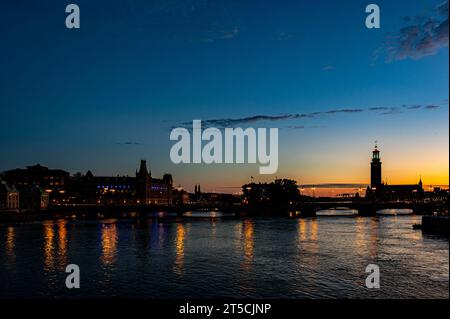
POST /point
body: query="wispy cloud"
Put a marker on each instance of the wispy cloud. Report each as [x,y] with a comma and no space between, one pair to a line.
[381,110]
[422,36]
[301,127]
[328,68]
[129,143]
[386,109]
[283,36]
[215,33]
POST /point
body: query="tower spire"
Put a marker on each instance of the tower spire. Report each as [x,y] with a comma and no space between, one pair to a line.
[143,172]
[375,168]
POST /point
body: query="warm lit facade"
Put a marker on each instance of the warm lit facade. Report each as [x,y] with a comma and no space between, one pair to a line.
[142,189]
[33,198]
[45,178]
[9,197]
[151,190]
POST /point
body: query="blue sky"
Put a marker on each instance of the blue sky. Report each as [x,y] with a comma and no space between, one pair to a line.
[106,95]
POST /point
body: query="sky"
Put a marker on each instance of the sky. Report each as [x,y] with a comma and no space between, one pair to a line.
[106,95]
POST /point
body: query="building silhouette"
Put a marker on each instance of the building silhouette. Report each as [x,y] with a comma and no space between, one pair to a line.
[375,169]
[39,186]
[142,189]
[381,191]
[41,176]
[9,197]
[35,185]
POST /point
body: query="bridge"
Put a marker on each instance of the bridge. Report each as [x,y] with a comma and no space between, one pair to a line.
[302,209]
[364,208]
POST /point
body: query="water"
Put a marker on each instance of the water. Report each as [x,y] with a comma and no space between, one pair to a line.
[337,212]
[395,212]
[324,257]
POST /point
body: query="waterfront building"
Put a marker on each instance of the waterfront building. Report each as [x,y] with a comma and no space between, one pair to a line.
[375,169]
[151,190]
[197,196]
[281,192]
[32,197]
[180,196]
[9,197]
[52,181]
[379,190]
[37,186]
[142,189]
[162,190]
[43,177]
[116,190]
[143,184]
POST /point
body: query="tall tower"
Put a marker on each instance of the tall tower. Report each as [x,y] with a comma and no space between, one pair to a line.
[143,184]
[375,168]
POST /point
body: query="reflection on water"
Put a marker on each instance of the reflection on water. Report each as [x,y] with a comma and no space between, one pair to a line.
[160,235]
[337,212]
[373,239]
[55,254]
[179,249]
[395,211]
[307,230]
[314,227]
[213,227]
[360,233]
[302,229]
[366,236]
[10,241]
[252,257]
[49,234]
[62,244]
[109,243]
[209,214]
[248,243]
[9,245]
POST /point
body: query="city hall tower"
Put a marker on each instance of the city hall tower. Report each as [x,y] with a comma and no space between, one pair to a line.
[375,168]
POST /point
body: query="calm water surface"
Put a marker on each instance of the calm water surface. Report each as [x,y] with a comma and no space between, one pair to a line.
[322,257]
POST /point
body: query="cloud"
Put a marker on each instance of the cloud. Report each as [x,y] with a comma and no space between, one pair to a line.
[229,122]
[423,36]
[378,108]
[328,68]
[234,122]
[283,36]
[215,33]
[412,107]
[129,143]
[343,111]
[385,109]
[301,127]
